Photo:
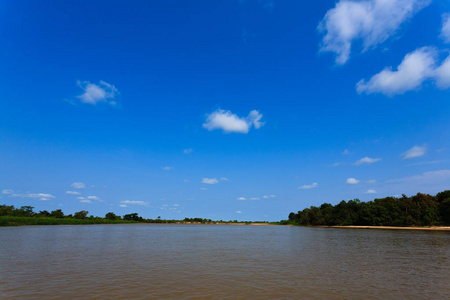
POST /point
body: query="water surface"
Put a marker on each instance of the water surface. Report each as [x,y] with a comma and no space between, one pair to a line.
[154,261]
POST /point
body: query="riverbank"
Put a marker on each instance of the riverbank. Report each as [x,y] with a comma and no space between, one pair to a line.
[439,228]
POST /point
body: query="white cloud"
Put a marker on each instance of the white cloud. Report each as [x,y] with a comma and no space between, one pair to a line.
[85,201]
[442,74]
[94,93]
[241,198]
[370,192]
[352,181]
[239,212]
[224,179]
[93,198]
[134,202]
[254,198]
[72,193]
[40,196]
[229,122]
[167,168]
[123,205]
[187,151]
[268,196]
[210,180]
[370,21]
[8,192]
[308,187]
[78,185]
[433,175]
[445,30]
[366,160]
[415,68]
[204,189]
[414,152]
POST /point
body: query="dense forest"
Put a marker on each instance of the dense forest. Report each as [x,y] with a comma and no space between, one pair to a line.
[25,215]
[418,210]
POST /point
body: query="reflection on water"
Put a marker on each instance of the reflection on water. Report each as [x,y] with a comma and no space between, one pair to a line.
[148,261]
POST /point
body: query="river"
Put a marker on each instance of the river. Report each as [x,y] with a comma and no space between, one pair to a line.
[155,261]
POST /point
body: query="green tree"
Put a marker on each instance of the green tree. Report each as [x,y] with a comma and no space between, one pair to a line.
[81,214]
[57,214]
[111,216]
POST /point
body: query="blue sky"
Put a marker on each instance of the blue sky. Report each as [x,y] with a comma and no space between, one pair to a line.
[226,110]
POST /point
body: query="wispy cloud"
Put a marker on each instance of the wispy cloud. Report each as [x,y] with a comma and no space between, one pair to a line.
[93,198]
[241,198]
[229,122]
[308,187]
[128,202]
[414,152]
[429,176]
[167,168]
[239,212]
[370,21]
[72,193]
[85,201]
[370,192]
[210,180]
[78,185]
[40,196]
[224,179]
[95,93]
[366,161]
[445,30]
[352,181]
[188,151]
[268,196]
[430,162]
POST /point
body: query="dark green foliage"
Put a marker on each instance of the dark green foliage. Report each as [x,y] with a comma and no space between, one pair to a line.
[81,214]
[133,217]
[57,214]
[418,210]
[112,216]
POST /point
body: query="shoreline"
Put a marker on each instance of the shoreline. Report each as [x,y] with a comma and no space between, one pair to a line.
[434,228]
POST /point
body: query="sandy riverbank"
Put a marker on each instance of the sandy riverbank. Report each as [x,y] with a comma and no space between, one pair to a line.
[441,228]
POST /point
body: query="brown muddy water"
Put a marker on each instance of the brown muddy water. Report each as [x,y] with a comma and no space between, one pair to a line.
[152,261]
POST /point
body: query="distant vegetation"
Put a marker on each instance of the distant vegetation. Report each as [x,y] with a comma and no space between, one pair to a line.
[418,210]
[11,216]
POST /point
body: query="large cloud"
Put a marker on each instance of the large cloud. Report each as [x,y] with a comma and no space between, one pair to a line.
[229,122]
[371,21]
[415,68]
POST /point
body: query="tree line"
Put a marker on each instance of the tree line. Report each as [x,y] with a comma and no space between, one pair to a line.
[25,215]
[417,210]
